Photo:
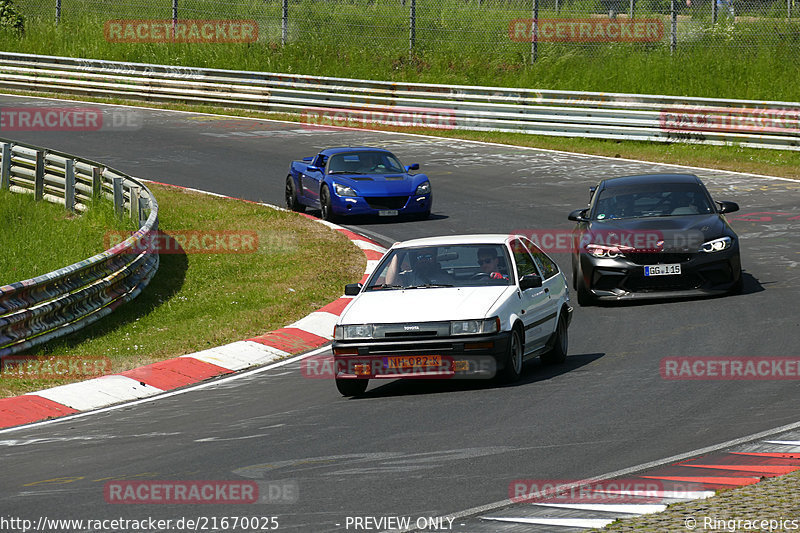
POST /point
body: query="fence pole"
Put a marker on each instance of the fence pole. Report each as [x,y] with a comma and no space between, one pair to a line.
[69,184]
[713,11]
[5,173]
[673,39]
[174,18]
[788,9]
[38,180]
[412,30]
[119,199]
[535,32]
[285,22]
[58,11]
[630,9]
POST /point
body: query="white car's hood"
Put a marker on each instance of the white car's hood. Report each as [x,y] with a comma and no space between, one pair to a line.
[422,305]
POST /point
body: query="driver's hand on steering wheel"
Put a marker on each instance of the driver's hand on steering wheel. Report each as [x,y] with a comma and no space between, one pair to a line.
[496,275]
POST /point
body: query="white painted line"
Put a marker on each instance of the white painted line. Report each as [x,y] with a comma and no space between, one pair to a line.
[364,245]
[98,392]
[588,523]
[237,355]
[320,323]
[631,508]
[200,386]
[784,442]
[665,494]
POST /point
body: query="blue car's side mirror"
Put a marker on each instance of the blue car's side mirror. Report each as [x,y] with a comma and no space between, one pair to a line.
[415,166]
[312,168]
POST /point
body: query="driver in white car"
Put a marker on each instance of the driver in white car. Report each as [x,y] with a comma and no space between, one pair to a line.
[489,263]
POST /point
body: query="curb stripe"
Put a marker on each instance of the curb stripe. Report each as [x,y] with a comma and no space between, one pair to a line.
[174,373]
[23,409]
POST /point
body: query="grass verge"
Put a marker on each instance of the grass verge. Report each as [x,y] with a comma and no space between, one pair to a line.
[29,227]
[201,300]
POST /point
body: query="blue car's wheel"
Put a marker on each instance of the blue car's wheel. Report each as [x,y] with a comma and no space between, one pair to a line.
[291,197]
[325,204]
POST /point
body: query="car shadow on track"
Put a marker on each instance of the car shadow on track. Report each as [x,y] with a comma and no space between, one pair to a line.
[533,371]
[359,220]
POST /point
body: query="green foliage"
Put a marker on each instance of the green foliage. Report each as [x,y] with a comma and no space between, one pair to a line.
[10,17]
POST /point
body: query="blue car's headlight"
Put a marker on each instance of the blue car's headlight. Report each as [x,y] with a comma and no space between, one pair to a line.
[717,245]
[344,190]
[424,188]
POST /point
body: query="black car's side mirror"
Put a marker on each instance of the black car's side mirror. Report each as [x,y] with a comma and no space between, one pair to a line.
[415,166]
[579,215]
[352,289]
[728,207]
[530,281]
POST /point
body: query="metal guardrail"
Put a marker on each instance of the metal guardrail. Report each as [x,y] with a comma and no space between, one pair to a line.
[761,124]
[60,302]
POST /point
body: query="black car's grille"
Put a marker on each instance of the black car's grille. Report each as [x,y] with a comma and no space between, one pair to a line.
[386,202]
[658,258]
[663,283]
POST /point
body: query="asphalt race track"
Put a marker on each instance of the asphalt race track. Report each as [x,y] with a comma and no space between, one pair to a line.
[423,449]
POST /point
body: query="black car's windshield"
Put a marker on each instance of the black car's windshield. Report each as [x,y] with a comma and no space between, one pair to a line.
[366,162]
[425,267]
[656,200]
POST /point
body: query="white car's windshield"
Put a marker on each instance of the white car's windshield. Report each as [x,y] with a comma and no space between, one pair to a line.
[367,162]
[463,265]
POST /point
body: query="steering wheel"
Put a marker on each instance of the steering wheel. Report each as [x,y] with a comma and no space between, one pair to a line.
[480,275]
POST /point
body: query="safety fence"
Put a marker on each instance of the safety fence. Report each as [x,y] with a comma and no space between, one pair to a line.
[58,303]
[343,102]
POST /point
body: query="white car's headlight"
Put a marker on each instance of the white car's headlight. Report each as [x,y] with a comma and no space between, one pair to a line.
[344,190]
[474,327]
[356,331]
[717,245]
[424,188]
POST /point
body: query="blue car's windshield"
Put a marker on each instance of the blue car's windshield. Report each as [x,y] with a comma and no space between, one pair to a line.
[367,162]
[463,265]
[657,200]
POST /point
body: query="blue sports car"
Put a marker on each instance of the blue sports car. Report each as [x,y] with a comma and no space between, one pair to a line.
[357,181]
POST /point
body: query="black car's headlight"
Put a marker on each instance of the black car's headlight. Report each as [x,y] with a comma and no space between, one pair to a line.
[475,327]
[355,331]
[344,190]
[605,251]
[717,245]
[424,188]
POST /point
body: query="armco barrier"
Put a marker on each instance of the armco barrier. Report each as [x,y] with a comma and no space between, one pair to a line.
[542,112]
[48,306]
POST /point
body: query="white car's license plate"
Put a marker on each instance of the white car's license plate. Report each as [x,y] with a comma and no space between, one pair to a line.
[387,213]
[662,270]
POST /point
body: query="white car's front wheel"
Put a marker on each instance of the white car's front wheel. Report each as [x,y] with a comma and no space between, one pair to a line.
[513,363]
[558,353]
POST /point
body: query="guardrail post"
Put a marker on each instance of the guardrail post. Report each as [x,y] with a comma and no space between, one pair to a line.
[69,184]
[119,198]
[673,38]
[285,22]
[5,173]
[134,207]
[38,181]
[97,181]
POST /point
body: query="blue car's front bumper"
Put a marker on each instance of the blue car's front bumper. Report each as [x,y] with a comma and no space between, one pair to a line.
[381,205]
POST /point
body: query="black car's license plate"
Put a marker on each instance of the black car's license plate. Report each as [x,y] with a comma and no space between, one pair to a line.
[662,270]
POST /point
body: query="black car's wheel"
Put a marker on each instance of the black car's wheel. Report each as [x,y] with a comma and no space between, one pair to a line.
[736,288]
[325,204]
[558,354]
[513,362]
[352,387]
[574,277]
[585,297]
[291,197]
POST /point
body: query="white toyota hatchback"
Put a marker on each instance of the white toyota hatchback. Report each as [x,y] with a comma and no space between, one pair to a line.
[470,305]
